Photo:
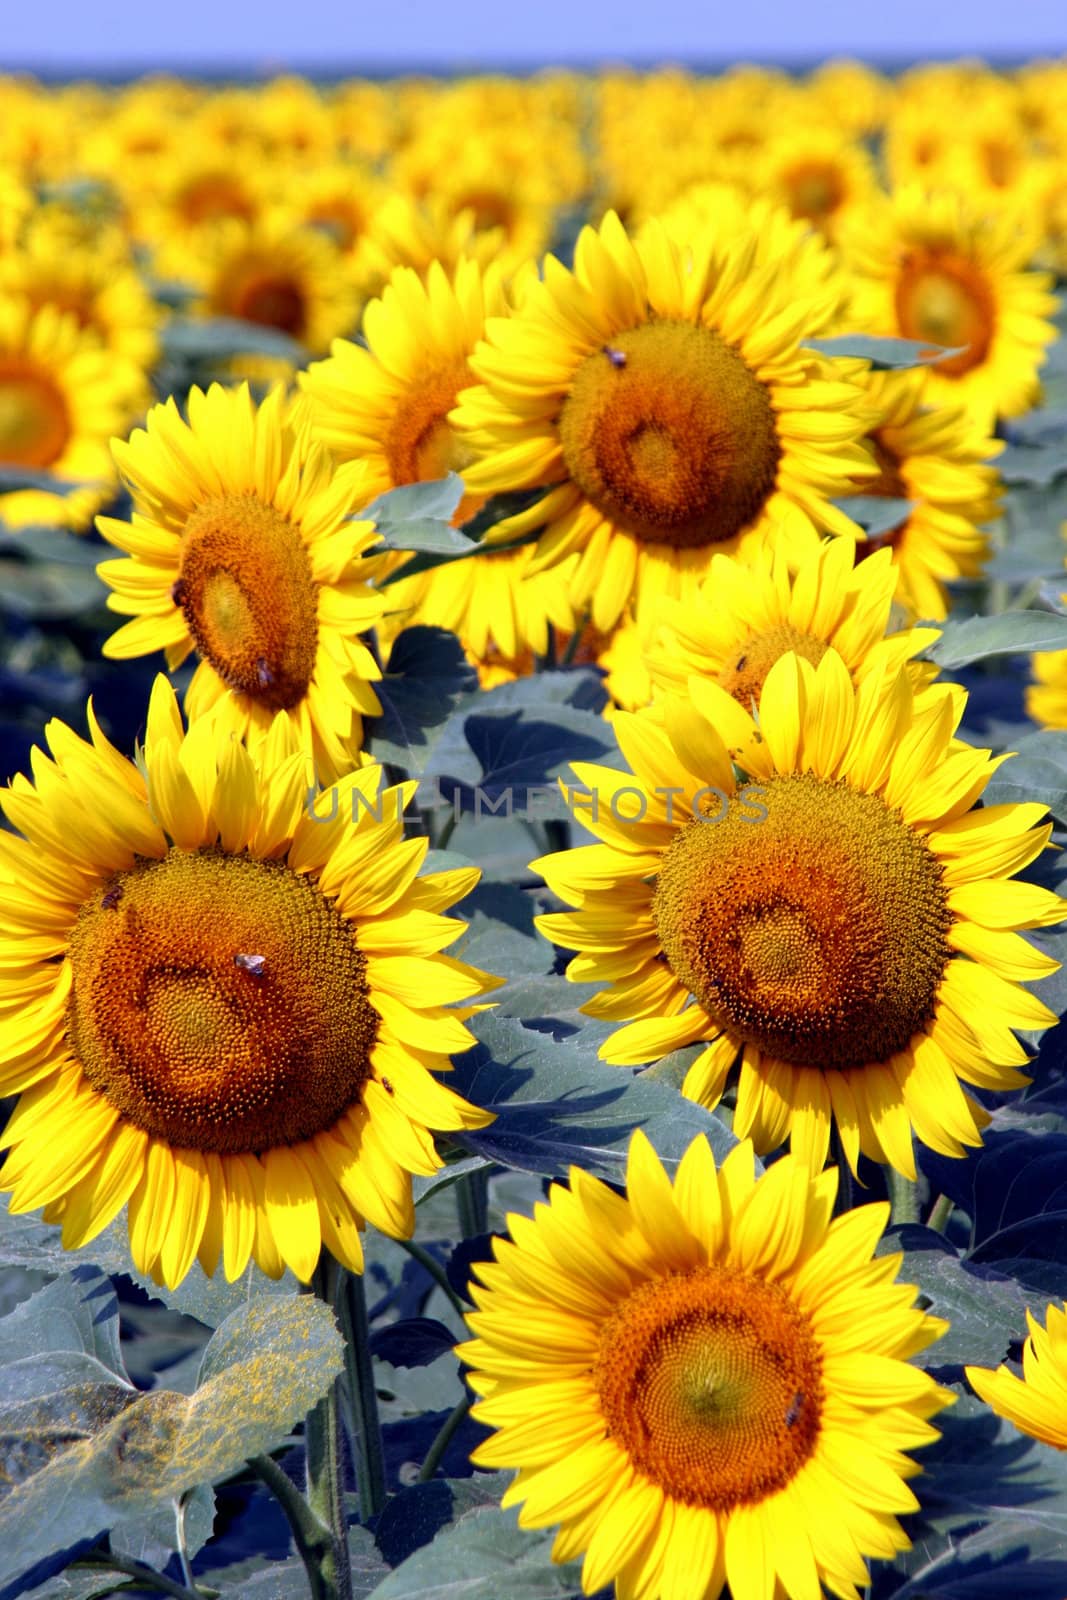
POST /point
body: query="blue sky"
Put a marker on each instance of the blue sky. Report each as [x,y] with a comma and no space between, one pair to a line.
[350,35]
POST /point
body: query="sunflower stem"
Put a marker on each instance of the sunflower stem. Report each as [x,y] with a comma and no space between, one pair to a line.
[313,1540]
[436,1271]
[146,1577]
[567,659]
[845,1189]
[472,1199]
[362,1395]
[324,1439]
[903,1197]
[940,1212]
[443,1438]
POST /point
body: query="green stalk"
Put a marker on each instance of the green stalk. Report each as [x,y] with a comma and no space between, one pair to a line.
[903,1196]
[940,1213]
[472,1200]
[325,1443]
[442,1439]
[313,1540]
[437,1273]
[845,1190]
[362,1396]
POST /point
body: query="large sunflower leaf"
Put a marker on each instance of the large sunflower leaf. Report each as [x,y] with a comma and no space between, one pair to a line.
[483,1555]
[876,514]
[1036,771]
[215,339]
[993,1523]
[427,678]
[986,1311]
[503,758]
[1007,634]
[262,1371]
[883,354]
[555,1104]
[30,1243]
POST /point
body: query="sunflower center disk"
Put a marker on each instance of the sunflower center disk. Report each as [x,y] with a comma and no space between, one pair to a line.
[947,302]
[817,934]
[671,435]
[711,1383]
[220,1002]
[273,302]
[249,598]
[34,421]
[743,674]
[421,445]
[815,190]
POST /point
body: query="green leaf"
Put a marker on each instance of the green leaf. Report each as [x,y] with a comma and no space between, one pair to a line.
[993,1523]
[43,589]
[484,1555]
[883,354]
[1007,634]
[428,677]
[14,478]
[27,1241]
[503,753]
[556,1104]
[987,1311]
[263,1370]
[1032,465]
[1037,771]
[153,1539]
[214,339]
[501,937]
[45,543]
[876,514]
[78,1312]
[416,516]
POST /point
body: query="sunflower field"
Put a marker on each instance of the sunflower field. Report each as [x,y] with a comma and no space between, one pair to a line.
[533,707]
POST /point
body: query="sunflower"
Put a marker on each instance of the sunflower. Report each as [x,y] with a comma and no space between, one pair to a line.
[838,916]
[661,397]
[387,406]
[706,1382]
[240,547]
[927,266]
[820,175]
[219,1004]
[95,280]
[409,232]
[932,453]
[271,272]
[783,242]
[747,616]
[1046,698]
[1036,1402]
[62,397]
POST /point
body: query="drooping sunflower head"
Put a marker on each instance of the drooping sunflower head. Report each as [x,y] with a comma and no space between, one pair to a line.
[679,1379]
[928,266]
[240,547]
[222,1000]
[660,395]
[62,398]
[747,616]
[934,455]
[837,917]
